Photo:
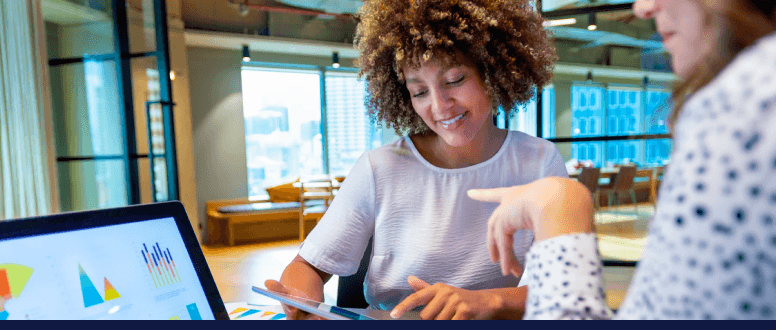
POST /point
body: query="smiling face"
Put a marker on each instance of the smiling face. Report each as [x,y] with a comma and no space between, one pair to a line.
[681,24]
[452,101]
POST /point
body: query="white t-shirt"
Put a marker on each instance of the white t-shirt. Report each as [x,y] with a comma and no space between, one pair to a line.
[423,222]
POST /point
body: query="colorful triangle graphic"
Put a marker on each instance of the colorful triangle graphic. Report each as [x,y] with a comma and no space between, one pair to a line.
[110,291]
[238,311]
[90,294]
[249,312]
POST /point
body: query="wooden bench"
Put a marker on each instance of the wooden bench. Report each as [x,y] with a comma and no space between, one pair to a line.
[254,220]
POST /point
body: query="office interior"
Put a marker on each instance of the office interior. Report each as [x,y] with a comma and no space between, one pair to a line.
[111,103]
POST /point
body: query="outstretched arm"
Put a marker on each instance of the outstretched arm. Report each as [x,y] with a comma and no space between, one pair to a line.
[300,279]
[563,268]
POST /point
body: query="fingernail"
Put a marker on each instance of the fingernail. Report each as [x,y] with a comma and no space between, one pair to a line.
[394,314]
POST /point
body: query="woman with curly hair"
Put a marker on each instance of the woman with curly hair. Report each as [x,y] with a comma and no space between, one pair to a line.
[438,71]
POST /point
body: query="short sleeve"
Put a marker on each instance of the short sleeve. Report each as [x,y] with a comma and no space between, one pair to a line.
[338,242]
[555,166]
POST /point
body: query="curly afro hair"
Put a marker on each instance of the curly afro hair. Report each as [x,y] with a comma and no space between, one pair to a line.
[504,38]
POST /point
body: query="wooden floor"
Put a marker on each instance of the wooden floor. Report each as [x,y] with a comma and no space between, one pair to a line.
[621,233]
[236,269]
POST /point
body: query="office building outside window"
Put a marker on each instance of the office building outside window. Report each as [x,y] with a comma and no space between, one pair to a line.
[350,131]
[657,151]
[587,111]
[282,110]
[624,115]
[614,110]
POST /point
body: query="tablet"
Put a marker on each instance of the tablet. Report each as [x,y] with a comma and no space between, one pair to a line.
[313,307]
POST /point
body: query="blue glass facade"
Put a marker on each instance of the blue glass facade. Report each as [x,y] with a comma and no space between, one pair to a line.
[625,111]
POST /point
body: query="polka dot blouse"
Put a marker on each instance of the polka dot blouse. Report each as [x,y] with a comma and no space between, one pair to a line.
[711,249]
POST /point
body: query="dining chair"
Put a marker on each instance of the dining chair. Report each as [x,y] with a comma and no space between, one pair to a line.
[621,182]
[589,177]
[311,189]
[657,176]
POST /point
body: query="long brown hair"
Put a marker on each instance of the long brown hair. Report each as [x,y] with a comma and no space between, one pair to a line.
[736,24]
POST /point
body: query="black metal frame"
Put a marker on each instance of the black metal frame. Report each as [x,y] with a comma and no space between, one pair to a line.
[586,10]
[122,59]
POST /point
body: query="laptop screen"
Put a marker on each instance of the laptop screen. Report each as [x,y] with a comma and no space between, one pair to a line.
[132,270]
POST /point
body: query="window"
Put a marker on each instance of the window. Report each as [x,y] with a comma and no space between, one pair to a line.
[548,111]
[601,110]
[282,110]
[282,106]
[110,142]
[523,118]
[350,132]
[587,110]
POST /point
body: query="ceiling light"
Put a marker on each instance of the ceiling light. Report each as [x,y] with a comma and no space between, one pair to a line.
[592,22]
[559,22]
[246,54]
[335,60]
[172,75]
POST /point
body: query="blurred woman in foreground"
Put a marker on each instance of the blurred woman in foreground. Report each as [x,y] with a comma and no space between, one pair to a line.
[711,250]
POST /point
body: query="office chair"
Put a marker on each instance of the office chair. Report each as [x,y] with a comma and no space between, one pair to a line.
[350,290]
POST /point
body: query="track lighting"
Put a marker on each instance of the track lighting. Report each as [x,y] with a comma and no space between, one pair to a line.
[592,22]
[246,54]
[335,60]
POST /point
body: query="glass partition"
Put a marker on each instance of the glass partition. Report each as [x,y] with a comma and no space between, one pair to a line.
[99,101]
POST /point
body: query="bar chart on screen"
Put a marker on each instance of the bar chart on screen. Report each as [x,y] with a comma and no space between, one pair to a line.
[160,265]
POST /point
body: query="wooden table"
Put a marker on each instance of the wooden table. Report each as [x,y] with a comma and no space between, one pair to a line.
[606,172]
[610,172]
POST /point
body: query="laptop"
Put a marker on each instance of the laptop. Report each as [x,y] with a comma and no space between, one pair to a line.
[137,262]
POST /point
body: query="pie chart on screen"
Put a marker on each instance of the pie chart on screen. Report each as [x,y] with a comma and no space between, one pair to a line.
[13,279]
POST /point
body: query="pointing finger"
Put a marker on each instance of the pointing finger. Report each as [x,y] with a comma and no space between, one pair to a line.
[488,195]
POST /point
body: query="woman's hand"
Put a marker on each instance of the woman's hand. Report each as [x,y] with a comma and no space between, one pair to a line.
[292,313]
[445,302]
[550,207]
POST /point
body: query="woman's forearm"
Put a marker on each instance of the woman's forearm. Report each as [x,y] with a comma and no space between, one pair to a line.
[304,277]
